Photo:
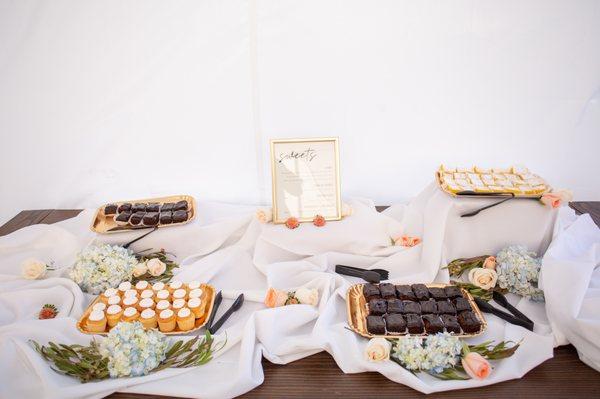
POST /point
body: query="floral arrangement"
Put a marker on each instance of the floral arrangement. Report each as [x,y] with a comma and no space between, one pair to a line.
[305,296]
[104,266]
[34,269]
[406,241]
[555,199]
[48,311]
[441,355]
[514,269]
[129,350]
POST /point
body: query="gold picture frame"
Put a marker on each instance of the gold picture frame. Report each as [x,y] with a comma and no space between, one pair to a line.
[331,161]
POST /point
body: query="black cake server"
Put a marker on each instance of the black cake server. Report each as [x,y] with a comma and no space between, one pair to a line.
[216,304]
[237,304]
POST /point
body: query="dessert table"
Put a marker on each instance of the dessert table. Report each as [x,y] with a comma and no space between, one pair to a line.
[318,375]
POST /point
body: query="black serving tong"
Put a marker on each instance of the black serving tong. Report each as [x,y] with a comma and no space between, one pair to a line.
[367,275]
[516,317]
[237,304]
[509,196]
[216,304]
[139,238]
[382,272]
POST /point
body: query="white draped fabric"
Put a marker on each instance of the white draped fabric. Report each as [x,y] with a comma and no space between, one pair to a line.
[227,247]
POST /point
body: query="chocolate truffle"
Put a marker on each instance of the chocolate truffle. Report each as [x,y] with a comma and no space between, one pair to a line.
[452,291]
[387,290]
[110,209]
[421,292]
[405,293]
[375,325]
[395,323]
[150,219]
[437,293]
[429,307]
[139,207]
[181,206]
[153,207]
[414,324]
[136,218]
[167,207]
[377,306]
[445,307]
[462,304]
[451,323]
[126,207]
[433,324]
[123,218]
[394,306]
[412,307]
[166,217]
[469,322]
[371,291]
[180,216]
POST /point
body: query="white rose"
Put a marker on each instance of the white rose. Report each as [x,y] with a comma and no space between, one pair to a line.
[378,349]
[483,278]
[347,210]
[33,269]
[156,267]
[264,215]
[307,296]
[140,269]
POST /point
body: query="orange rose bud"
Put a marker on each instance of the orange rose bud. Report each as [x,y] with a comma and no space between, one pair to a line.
[292,223]
[319,221]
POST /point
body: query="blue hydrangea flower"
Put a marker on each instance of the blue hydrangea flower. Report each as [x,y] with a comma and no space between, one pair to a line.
[518,271]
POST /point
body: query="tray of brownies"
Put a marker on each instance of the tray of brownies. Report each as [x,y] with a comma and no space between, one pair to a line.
[146,213]
[388,310]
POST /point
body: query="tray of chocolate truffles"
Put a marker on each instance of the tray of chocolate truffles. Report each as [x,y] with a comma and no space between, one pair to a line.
[153,212]
[388,310]
[173,308]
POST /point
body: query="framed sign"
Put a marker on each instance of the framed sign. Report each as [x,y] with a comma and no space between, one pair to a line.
[306,179]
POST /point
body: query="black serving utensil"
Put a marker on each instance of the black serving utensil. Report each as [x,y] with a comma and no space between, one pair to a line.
[475,212]
[237,304]
[128,228]
[382,272]
[502,301]
[487,308]
[216,304]
[367,275]
[139,238]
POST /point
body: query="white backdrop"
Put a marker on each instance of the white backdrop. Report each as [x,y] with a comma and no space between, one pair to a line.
[109,100]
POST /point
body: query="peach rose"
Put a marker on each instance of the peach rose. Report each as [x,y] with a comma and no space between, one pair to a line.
[483,278]
[292,223]
[490,263]
[378,349]
[264,215]
[476,366]
[156,267]
[319,221]
[33,269]
[140,269]
[407,241]
[551,199]
[307,296]
[275,298]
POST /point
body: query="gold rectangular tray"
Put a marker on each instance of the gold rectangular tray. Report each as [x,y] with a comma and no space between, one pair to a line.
[357,308]
[199,322]
[459,182]
[105,224]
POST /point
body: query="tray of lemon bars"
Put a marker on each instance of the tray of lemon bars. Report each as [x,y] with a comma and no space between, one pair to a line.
[495,182]
[173,308]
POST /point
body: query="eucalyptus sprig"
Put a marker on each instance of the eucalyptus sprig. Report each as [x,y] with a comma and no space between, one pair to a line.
[494,352]
[195,352]
[163,256]
[458,266]
[476,291]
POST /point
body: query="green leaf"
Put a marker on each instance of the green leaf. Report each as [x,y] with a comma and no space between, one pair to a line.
[451,373]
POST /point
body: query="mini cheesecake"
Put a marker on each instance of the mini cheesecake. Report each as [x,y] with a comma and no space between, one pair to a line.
[96,322]
[195,293]
[158,286]
[107,294]
[101,306]
[167,320]
[175,285]
[130,314]
[196,306]
[114,300]
[185,319]
[142,285]
[192,285]
[124,286]
[148,319]
[130,292]
[178,304]
[129,301]
[162,295]
[113,315]
[146,303]
[162,305]
[147,293]
[179,294]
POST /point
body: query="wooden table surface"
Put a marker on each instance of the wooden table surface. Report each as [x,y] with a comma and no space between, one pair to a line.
[318,376]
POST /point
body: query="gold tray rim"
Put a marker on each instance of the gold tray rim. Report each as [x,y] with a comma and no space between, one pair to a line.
[362,313]
[490,194]
[169,198]
[207,313]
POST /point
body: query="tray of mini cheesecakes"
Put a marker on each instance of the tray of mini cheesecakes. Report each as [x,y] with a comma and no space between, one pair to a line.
[115,217]
[494,182]
[389,311]
[173,308]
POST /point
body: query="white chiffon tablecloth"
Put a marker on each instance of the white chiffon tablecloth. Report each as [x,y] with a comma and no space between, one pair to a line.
[227,247]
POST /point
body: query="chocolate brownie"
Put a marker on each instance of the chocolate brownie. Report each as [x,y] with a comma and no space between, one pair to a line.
[377,306]
[405,293]
[167,207]
[150,219]
[437,293]
[433,324]
[181,206]
[123,217]
[126,207]
[462,304]
[412,307]
[452,291]
[451,323]
[387,290]
[414,323]
[110,209]
[445,307]
[166,217]
[371,291]
[469,322]
[375,325]
[394,306]
[136,218]
[180,216]
[139,207]
[153,207]
[429,307]
[395,323]
[421,291]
